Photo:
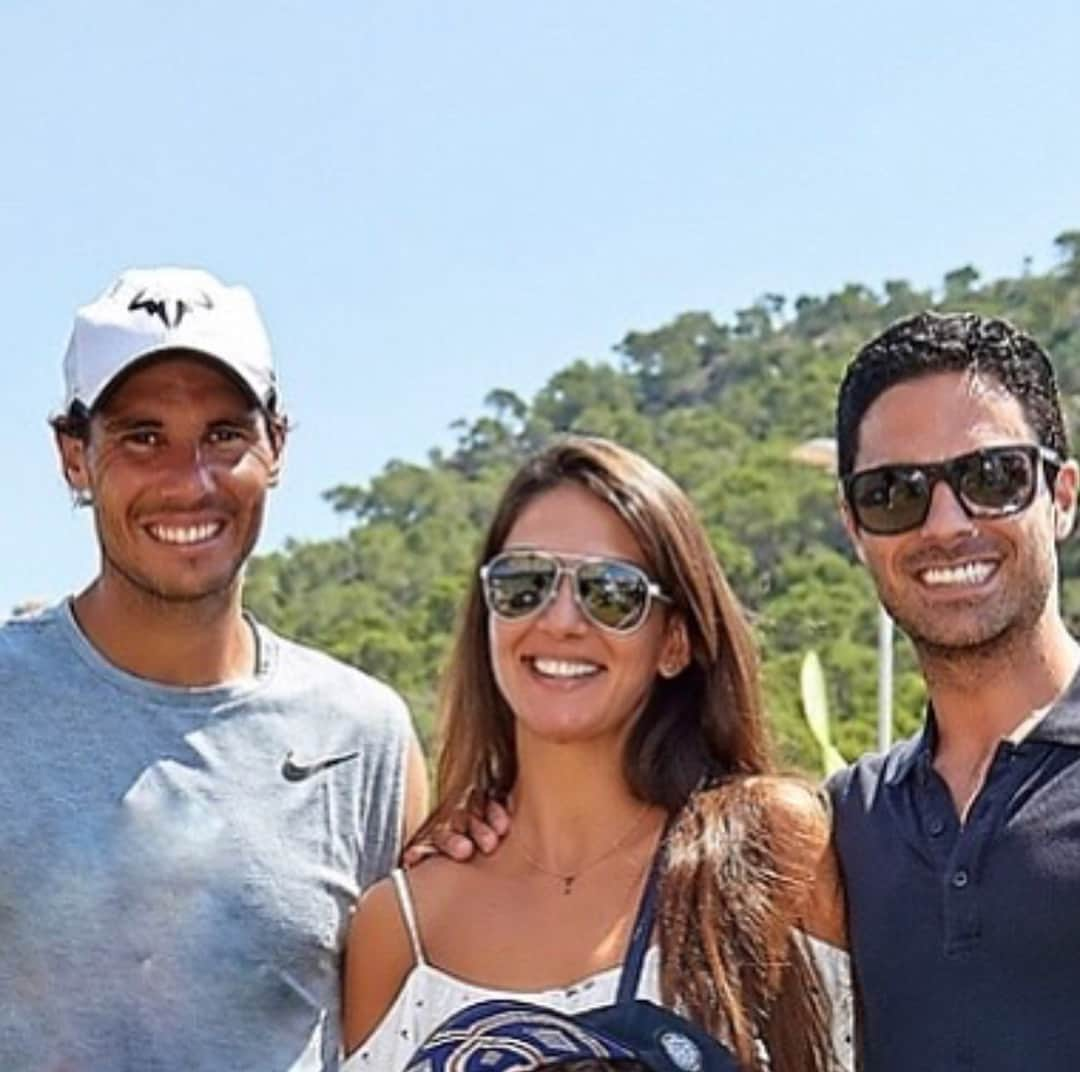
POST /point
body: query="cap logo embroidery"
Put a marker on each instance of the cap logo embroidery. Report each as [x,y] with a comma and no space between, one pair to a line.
[170,311]
[682,1051]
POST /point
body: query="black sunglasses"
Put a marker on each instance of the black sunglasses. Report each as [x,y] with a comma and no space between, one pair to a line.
[613,594]
[992,482]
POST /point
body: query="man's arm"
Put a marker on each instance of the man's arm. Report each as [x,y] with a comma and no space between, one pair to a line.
[466,832]
[417,797]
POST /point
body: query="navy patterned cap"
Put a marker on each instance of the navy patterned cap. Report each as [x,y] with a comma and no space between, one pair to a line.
[510,1036]
[516,1036]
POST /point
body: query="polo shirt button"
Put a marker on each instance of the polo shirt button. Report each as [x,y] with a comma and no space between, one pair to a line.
[960,879]
[937,827]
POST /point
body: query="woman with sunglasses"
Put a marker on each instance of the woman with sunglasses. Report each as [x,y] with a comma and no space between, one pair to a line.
[603,683]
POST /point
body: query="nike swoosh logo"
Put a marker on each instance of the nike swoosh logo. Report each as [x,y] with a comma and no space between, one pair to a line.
[297,772]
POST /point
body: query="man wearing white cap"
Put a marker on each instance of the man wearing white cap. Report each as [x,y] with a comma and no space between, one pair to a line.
[189,803]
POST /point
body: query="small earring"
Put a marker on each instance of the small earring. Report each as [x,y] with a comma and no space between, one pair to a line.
[81,497]
[1062,523]
[667,670]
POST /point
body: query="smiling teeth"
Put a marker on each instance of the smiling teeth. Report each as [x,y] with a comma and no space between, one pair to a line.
[969,573]
[564,668]
[185,533]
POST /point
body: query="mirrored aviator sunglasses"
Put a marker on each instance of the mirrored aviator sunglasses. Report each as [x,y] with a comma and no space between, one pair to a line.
[613,594]
[987,483]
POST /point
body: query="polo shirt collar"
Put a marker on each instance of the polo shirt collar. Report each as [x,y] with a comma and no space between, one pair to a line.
[1060,725]
[915,751]
[1062,722]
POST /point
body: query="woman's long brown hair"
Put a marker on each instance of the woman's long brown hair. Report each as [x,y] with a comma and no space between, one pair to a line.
[699,749]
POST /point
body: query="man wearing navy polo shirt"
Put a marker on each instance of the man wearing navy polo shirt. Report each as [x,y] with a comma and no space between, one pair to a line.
[960,848]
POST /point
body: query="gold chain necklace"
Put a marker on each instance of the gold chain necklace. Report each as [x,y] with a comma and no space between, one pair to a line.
[568,878]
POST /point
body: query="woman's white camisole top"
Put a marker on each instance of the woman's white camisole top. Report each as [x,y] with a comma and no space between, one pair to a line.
[430,995]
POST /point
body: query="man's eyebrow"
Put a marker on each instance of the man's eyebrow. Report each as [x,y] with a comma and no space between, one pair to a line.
[126,424]
[249,419]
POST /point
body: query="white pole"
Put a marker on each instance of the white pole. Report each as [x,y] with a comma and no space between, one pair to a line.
[885,680]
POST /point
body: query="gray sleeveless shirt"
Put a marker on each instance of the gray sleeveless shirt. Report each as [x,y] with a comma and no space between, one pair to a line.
[177,865]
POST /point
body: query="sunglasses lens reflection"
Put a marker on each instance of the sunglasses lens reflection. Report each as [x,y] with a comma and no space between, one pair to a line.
[518,585]
[613,594]
[890,499]
[1001,482]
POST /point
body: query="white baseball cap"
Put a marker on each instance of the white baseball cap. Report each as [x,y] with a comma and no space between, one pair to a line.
[149,310]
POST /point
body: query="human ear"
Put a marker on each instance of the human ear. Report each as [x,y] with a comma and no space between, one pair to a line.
[675,654]
[73,463]
[277,430]
[1065,497]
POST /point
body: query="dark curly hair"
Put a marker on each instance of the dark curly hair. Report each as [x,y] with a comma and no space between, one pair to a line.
[926,343]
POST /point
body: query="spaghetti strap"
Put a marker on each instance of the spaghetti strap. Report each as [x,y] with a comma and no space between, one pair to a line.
[630,976]
[408,913]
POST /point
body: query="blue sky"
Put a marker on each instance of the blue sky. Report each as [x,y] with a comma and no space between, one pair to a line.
[432,199]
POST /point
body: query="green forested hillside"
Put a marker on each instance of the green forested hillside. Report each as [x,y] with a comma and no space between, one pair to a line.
[721,407]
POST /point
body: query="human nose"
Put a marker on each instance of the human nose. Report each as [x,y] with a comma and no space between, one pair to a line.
[562,614]
[946,518]
[186,474]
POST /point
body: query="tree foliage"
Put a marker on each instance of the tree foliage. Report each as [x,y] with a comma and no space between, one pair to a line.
[721,407]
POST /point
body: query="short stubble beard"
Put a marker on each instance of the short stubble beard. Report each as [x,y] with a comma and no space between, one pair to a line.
[967,658]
